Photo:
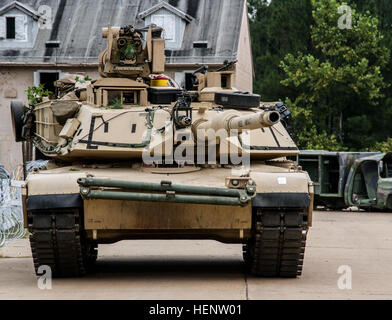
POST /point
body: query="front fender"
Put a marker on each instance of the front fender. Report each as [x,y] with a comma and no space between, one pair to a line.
[53,183]
[53,191]
[285,182]
[284,190]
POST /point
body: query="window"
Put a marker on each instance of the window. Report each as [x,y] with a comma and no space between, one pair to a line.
[127,98]
[170,18]
[13,28]
[10,27]
[189,81]
[225,81]
[114,97]
[388,170]
[184,79]
[385,169]
[48,79]
[18,29]
[166,22]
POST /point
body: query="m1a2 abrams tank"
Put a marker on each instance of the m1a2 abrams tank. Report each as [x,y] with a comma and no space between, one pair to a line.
[132,156]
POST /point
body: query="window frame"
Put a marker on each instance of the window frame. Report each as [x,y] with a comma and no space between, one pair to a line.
[105,96]
[37,76]
[26,32]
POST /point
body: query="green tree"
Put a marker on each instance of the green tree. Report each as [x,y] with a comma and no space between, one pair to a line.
[385,146]
[341,81]
[382,9]
[306,134]
[277,28]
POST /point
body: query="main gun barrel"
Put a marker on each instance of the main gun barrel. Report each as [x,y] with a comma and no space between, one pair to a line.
[254,121]
[232,120]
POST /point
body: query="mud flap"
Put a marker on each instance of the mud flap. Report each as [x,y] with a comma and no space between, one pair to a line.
[55,201]
[282,200]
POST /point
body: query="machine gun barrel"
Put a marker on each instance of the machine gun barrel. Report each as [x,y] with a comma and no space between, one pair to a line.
[227,65]
[202,70]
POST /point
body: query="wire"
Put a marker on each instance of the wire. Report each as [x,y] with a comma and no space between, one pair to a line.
[11,213]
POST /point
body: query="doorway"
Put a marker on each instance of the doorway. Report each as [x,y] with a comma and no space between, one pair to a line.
[48,79]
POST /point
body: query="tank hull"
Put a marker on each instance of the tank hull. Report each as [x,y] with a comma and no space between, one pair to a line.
[275,219]
[57,188]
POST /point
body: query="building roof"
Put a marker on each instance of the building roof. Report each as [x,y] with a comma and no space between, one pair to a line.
[77,27]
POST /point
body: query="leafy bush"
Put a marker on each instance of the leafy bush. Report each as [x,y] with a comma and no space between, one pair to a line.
[116,103]
[385,146]
[35,95]
[83,80]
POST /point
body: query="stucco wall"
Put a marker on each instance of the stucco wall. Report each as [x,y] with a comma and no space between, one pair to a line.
[13,82]
[244,68]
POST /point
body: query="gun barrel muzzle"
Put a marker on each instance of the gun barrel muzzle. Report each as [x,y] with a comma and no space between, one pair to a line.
[254,121]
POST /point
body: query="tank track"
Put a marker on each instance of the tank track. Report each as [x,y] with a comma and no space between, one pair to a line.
[57,241]
[277,246]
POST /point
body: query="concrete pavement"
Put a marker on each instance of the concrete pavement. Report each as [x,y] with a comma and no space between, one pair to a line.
[210,270]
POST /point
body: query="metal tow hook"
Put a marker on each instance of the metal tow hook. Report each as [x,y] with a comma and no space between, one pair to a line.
[84,191]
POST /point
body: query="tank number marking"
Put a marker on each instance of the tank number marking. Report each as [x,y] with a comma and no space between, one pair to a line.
[282,180]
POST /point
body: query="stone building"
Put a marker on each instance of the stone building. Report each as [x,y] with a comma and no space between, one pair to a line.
[40,40]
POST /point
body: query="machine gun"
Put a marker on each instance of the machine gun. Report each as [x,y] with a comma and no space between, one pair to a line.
[227,65]
[202,70]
